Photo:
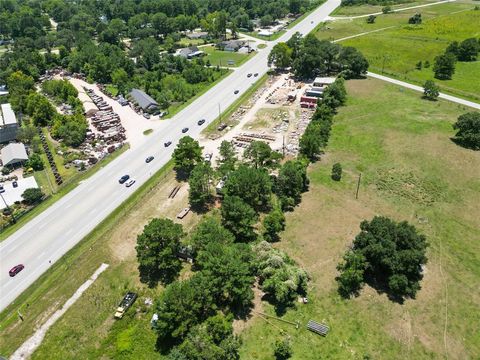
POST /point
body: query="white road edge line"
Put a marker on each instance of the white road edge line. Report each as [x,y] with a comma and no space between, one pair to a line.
[29,346]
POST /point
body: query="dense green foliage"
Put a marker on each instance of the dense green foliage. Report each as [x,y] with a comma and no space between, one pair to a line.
[282,349]
[208,231]
[430,90]
[200,193]
[444,66]
[273,223]
[311,57]
[387,255]
[292,181]
[186,155]
[227,159]
[239,217]
[337,172]
[32,195]
[261,155]
[72,129]
[35,162]
[468,130]
[157,248]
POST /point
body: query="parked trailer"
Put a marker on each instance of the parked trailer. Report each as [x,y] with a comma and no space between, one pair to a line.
[127,301]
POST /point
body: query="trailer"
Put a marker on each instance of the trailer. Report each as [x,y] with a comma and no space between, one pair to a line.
[126,302]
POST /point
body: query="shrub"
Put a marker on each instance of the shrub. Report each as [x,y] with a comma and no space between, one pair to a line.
[32,195]
[337,171]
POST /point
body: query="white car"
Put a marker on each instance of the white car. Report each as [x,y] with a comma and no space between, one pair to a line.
[130,182]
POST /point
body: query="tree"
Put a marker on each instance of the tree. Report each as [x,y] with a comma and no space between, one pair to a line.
[228,266]
[371,19]
[157,248]
[354,64]
[261,155]
[282,349]
[253,186]
[212,339]
[310,142]
[452,48]
[120,80]
[415,19]
[387,9]
[419,65]
[239,218]
[291,182]
[32,196]
[280,56]
[430,90]
[337,171]
[200,192]
[40,109]
[468,130]
[468,50]
[227,159]
[350,281]
[336,94]
[444,66]
[182,305]
[393,254]
[273,223]
[210,230]
[35,162]
[186,155]
[19,87]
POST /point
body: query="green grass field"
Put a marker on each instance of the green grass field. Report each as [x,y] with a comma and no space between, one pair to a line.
[399,47]
[412,171]
[370,9]
[222,58]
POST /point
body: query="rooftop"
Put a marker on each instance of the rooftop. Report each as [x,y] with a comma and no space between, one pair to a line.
[143,100]
[13,153]
[8,116]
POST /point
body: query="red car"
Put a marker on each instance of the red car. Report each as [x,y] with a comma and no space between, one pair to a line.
[16,269]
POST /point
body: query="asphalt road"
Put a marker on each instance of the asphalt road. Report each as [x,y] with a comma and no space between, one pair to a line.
[56,230]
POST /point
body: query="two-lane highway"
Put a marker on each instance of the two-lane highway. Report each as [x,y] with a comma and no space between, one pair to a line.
[56,230]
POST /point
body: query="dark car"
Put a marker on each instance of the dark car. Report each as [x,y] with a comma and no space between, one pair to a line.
[184,130]
[123,179]
[16,269]
[235,92]
[148,159]
[249,75]
[256,74]
[201,122]
[168,143]
[15,184]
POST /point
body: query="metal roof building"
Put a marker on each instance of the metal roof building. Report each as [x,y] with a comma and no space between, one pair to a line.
[143,100]
[8,124]
[13,153]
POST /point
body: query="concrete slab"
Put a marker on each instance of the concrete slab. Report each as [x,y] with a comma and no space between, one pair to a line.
[12,194]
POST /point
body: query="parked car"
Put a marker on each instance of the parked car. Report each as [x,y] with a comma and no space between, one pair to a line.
[184,130]
[256,74]
[130,182]
[168,143]
[16,269]
[207,157]
[15,184]
[124,178]
[201,122]
[2,189]
[148,159]
[146,115]
[221,126]
[249,75]
[236,92]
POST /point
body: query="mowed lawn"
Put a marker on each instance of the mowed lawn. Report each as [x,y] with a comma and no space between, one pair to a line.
[397,48]
[412,171]
[370,9]
[222,58]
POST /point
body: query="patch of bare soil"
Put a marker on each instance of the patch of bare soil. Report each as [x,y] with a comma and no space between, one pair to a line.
[240,325]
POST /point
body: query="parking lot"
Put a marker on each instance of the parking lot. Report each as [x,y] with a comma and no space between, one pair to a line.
[13,194]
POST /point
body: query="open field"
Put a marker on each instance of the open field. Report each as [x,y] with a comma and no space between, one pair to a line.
[221,58]
[397,48]
[370,9]
[411,170]
[87,329]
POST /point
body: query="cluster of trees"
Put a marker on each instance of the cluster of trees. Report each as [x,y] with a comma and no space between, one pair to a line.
[467,50]
[468,130]
[62,92]
[280,277]
[309,57]
[387,255]
[317,133]
[415,19]
[32,195]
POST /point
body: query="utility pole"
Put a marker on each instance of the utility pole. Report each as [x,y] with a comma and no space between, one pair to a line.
[358,185]
[283,146]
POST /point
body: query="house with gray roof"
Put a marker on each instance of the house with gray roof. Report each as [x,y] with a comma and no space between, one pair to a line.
[13,153]
[8,124]
[145,101]
[189,52]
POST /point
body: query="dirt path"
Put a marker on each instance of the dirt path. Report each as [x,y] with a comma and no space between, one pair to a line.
[29,346]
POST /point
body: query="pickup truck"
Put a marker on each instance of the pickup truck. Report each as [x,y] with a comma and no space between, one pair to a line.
[126,302]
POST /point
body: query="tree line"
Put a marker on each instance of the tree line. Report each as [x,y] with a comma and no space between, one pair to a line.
[465,51]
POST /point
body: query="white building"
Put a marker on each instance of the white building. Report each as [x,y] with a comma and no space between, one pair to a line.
[8,124]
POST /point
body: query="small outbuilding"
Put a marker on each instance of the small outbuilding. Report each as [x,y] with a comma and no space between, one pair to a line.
[8,124]
[13,153]
[145,101]
[323,81]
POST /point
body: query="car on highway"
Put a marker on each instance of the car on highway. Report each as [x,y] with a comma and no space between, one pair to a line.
[184,130]
[168,143]
[123,179]
[130,182]
[201,122]
[249,75]
[148,159]
[256,74]
[16,269]
[236,92]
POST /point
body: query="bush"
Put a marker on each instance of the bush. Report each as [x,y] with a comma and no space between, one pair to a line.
[32,196]
[415,19]
[282,350]
[430,90]
[371,19]
[35,162]
[337,171]
[387,9]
